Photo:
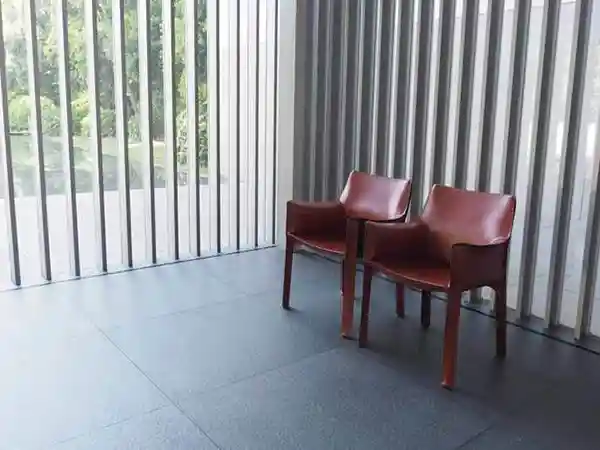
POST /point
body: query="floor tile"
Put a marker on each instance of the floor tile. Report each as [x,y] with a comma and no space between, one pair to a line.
[164,429]
[337,400]
[122,298]
[80,361]
[65,387]
[259,271]
[40,313]
[503,438]
[566,417]
[213,346]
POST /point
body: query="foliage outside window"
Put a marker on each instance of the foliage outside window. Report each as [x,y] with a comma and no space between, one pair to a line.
[20,101]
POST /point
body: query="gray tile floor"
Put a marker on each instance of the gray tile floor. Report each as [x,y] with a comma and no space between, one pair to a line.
[200,355]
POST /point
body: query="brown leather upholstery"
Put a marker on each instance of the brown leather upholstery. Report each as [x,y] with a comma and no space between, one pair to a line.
[371,197]
[337,227]
[321,225]
[459,242]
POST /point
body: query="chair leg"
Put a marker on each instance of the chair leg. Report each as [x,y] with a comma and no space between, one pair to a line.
[287,274]
[400,300]
[349,279]
[363,335]
[500,307]
[425,309]
[342,275]
[451,338]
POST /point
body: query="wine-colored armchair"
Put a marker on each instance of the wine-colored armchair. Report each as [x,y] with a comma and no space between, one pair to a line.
[459,243]
[337,228]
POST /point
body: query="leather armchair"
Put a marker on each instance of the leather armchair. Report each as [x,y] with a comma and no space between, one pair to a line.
[337,228]
[459,243]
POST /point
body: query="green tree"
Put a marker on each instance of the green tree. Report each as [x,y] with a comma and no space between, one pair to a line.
[19,110]
[14,14]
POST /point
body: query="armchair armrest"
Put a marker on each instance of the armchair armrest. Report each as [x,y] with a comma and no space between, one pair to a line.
[305,218]
[387,240]
[475,265]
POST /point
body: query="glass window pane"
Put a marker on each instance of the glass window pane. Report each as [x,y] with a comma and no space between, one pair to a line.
[554,154]
[531,79]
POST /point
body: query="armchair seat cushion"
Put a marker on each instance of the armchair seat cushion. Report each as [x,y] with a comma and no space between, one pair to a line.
[329,244]
[421,274]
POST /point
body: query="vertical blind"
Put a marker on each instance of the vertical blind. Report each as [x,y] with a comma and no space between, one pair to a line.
[134,132]
[492,95]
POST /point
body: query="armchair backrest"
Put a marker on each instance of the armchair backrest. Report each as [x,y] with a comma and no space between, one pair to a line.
[459,216]
[373,197]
